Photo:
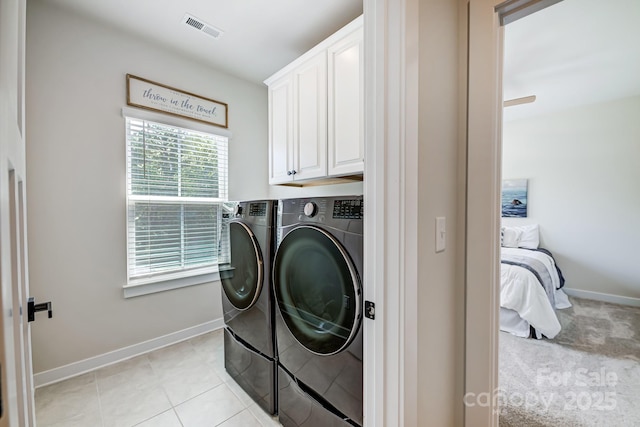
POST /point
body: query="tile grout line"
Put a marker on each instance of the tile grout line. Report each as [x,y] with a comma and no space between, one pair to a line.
[177,416]
[173,407]
[207,391]
[95,379]
[164,390]
[227,419]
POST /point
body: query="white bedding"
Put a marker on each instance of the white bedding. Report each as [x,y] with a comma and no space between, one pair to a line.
[540,256]
[522,292]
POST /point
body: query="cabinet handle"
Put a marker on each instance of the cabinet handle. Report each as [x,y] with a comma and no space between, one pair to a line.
[289,173]
[294,172]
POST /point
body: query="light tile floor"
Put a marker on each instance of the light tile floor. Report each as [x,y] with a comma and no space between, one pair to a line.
[183,385]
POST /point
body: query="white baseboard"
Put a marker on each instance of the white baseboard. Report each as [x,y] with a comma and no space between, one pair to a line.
[598,296]
[77,368]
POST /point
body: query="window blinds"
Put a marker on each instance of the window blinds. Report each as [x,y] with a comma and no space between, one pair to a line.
[176,184]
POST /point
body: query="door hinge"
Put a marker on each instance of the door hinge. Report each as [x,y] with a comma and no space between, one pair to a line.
[369,310]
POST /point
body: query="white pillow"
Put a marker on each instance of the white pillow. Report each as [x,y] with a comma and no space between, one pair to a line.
[528,236]
[511,237]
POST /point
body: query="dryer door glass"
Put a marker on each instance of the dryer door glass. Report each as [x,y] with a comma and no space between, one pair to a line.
[242,277]
[317,290]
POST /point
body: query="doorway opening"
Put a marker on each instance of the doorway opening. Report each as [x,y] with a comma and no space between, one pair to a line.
[567,138]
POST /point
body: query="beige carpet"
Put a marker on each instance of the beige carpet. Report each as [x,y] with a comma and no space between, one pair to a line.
[589,375]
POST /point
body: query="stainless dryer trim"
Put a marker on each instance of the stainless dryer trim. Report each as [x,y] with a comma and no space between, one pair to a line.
[260,262]
[355,282]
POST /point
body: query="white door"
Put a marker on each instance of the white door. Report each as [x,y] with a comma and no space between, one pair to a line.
[16,373]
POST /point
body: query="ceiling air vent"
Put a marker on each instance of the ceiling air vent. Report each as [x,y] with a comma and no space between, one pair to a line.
[200,25]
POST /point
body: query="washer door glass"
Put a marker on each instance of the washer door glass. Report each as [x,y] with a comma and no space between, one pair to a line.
[317,290]
[242,277]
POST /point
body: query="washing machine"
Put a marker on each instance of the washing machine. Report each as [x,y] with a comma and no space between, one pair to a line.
[247,246]
[317,281]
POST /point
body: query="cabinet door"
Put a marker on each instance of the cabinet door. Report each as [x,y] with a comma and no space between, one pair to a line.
[346,105]
[310,118]
[281,130]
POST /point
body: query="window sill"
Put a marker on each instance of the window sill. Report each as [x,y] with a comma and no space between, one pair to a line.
[161,285]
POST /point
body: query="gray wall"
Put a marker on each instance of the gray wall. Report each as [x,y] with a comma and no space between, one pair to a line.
[582,166]
[76,194]
[440,326]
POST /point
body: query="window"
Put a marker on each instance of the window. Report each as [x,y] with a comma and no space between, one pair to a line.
[176,184]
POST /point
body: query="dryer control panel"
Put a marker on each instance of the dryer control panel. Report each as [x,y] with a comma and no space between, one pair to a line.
[258,209]
[347,209]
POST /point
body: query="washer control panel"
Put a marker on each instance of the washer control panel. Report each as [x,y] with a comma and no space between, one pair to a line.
[310,209]
[257,209]
[347,209]
[321,210]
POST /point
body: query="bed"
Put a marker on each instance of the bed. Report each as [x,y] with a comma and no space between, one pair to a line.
[530,286]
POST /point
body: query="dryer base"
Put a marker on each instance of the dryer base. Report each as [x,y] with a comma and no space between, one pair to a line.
[254,373]
[296,408]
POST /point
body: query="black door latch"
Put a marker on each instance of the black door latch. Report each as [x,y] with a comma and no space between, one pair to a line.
[369,310]
[32,308]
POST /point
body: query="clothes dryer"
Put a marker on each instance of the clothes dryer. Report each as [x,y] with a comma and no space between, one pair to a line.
[247,301]
[317,275]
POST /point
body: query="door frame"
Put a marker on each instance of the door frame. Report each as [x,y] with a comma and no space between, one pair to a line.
[390,366]
[485,38]
[484,118]
[390,29]
[15,346]
[391,180]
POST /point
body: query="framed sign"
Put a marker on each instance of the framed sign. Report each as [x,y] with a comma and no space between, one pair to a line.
[153,96]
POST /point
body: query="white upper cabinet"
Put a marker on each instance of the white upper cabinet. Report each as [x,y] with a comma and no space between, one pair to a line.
[316,112]
[298,123]
[345,103]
